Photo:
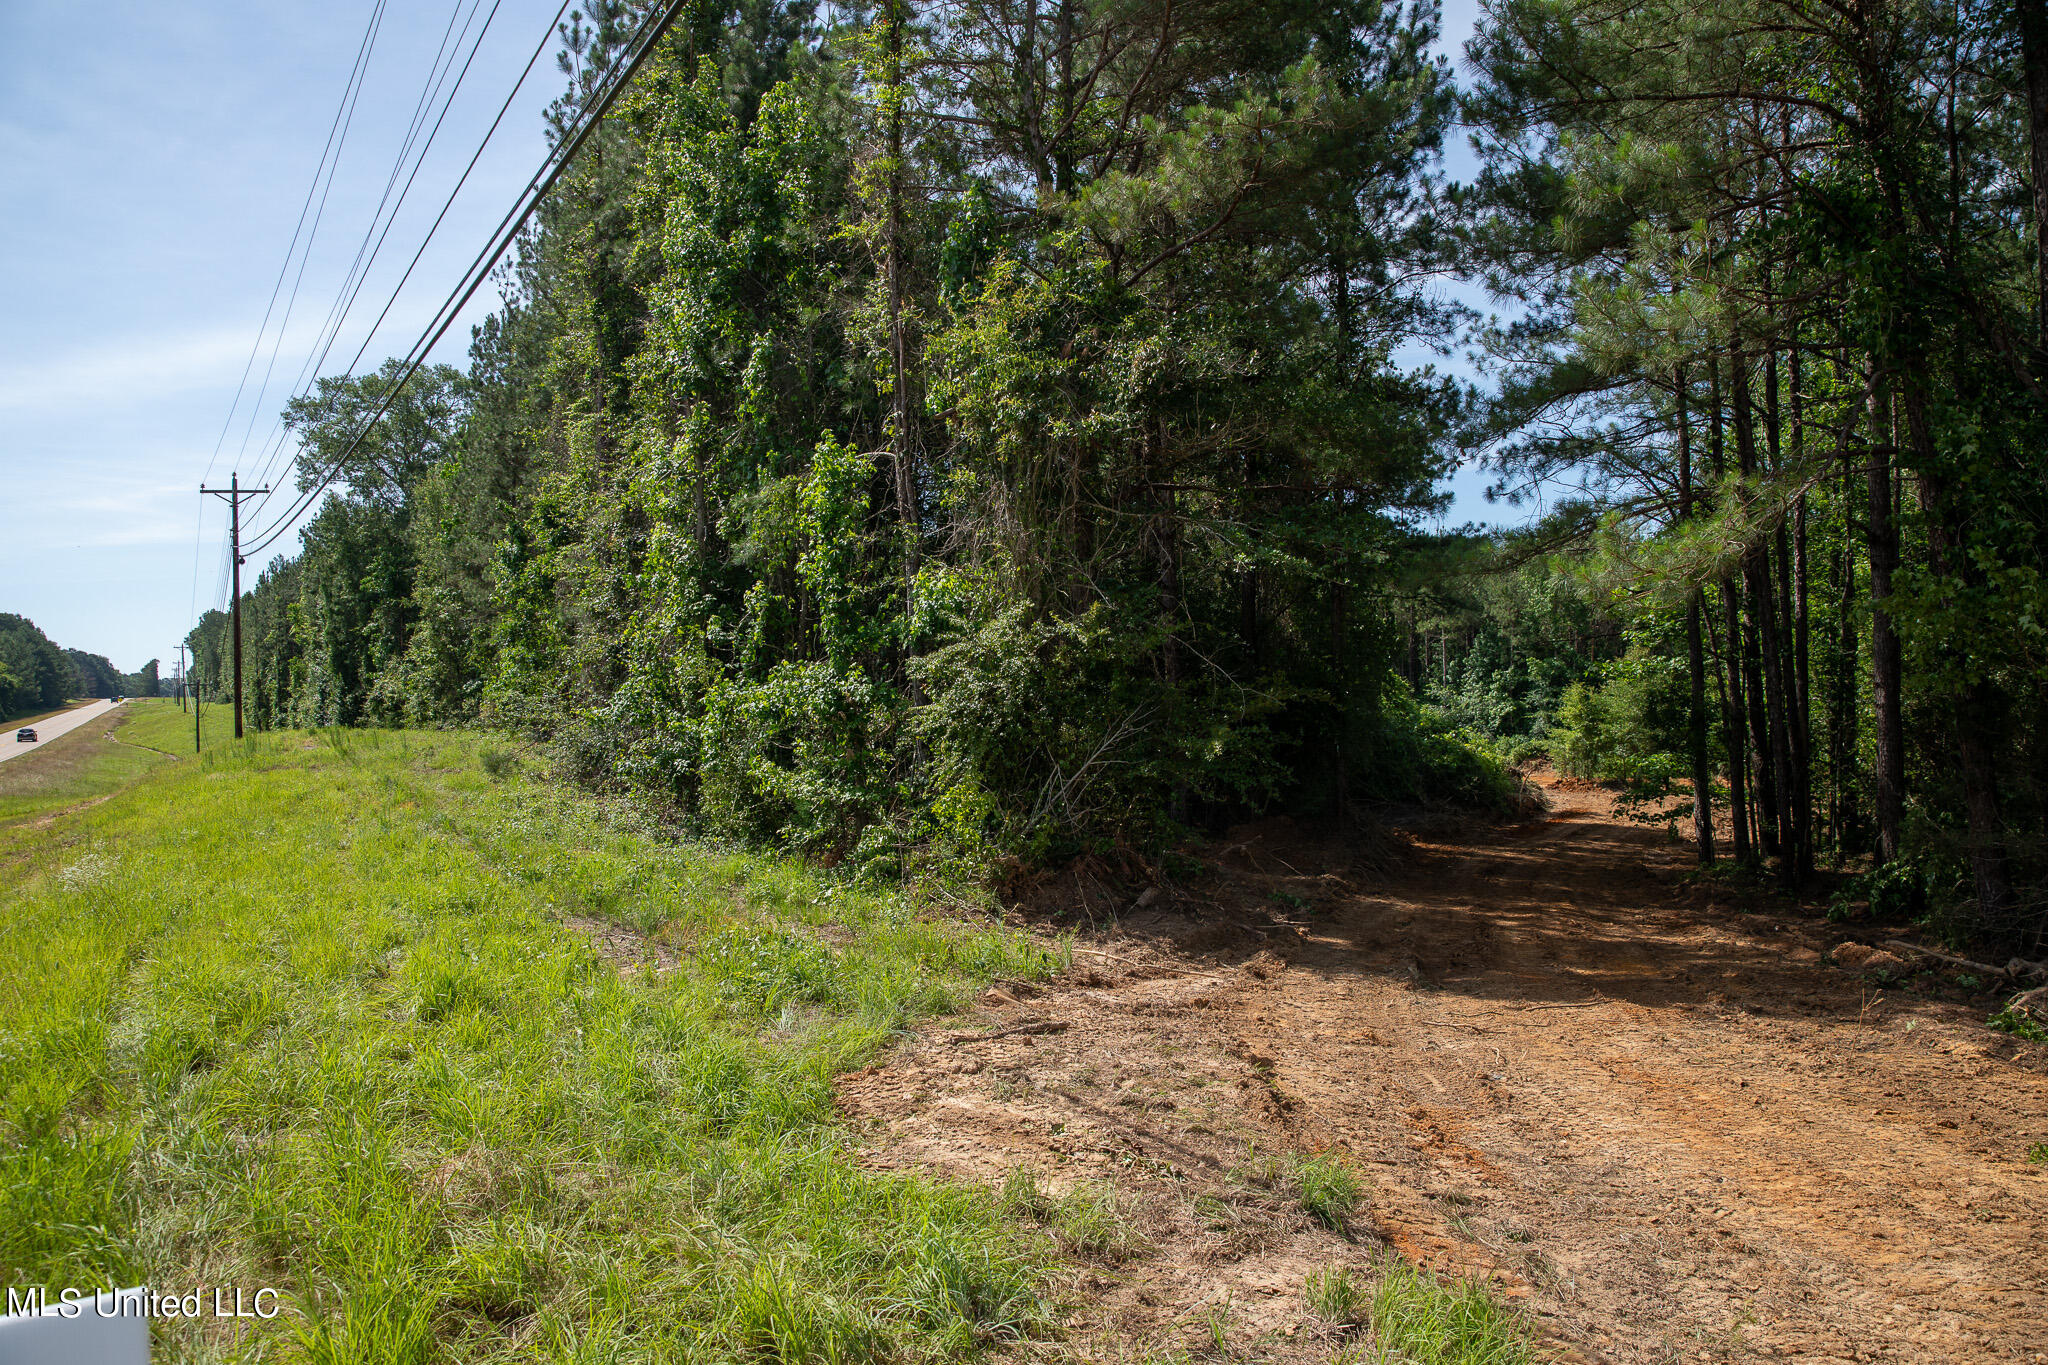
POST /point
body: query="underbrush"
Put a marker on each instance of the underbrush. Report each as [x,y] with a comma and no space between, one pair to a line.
[304,1013]
[1414,752]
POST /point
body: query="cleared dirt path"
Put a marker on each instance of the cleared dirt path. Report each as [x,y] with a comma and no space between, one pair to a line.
[1665,1125]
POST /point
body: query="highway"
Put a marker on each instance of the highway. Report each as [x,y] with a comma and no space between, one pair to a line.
[50,727]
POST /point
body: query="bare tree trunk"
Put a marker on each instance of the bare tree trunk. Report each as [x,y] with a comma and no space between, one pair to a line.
[1731,725]
[1248,581]
[1885,661]
[1842,810]
[1766,697]
[901,415]
[1731,699]
[1802,677]
[1764,810]
[1340,663]
[1695,654]
[1980,714]
[2033,26]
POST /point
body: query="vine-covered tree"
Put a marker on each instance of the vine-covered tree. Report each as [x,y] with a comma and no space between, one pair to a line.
[939,427]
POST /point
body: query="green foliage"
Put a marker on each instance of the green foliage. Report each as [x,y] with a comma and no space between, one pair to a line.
[35,675]
[1338,1295]
[1626,727]
[1413,752]
[1767,381]
[1920,888]
[889,485]
[2018,1023]
[1425,1320]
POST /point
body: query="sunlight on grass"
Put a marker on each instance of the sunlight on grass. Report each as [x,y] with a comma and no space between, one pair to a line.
[84,764]
[304,1012]
[1405,1316]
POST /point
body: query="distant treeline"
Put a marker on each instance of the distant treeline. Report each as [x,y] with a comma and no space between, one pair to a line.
[36,675]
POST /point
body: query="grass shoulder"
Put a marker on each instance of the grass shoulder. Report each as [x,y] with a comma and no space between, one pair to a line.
[467,1066]
[43,713]
[316,1012]
[89,762]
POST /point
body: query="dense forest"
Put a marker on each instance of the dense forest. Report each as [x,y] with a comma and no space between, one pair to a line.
[36,675]
[981,433]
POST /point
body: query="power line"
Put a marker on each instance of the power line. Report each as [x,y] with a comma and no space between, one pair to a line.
[446,205]
[367,252]
[537,189]
[362,56]
[305,258]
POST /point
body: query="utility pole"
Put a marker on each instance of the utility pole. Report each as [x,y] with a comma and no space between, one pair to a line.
[234,493]
[181,679]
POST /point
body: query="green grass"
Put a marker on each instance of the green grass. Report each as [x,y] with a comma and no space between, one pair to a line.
[304,1013]
[1338,1296]
[1092,1222]
[1409,1317]
[1328,1189]
[84,764]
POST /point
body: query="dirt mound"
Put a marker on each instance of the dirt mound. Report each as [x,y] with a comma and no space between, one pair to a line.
[1667,1126]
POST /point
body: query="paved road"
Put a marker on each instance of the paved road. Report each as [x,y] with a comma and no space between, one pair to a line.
[47,730]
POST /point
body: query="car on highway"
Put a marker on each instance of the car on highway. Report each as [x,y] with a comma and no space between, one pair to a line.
[24,735]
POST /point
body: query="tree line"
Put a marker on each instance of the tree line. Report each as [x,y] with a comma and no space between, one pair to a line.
[36,675]
[1784,266]
[993,430]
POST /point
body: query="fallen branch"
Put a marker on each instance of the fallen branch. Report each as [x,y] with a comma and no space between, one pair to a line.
[1054,1026]
[1149,966]
[1950,958]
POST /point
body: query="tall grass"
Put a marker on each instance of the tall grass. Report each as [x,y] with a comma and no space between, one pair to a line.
[305,1013]
[1406,1316]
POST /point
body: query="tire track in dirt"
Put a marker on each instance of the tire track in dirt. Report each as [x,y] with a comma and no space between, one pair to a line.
[1663,1124]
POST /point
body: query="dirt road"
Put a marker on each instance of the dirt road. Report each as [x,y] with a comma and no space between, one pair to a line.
[48,728]
[1665,1125]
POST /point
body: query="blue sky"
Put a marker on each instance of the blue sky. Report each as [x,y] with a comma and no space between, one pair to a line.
[154,176]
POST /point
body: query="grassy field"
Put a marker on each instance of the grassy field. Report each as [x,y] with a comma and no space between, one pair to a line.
[93,761]
[304,1013]
[468,1067]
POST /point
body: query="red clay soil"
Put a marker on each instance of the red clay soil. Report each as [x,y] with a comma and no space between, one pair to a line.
[1666,1126]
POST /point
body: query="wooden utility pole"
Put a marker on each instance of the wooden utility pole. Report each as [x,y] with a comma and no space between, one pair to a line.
[234,493]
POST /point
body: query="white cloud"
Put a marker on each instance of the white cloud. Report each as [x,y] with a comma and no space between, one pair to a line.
[124,373]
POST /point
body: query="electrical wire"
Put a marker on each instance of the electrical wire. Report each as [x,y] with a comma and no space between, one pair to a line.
[306,257]
[373,241]
[447,204]
[537,188]
[362,57]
